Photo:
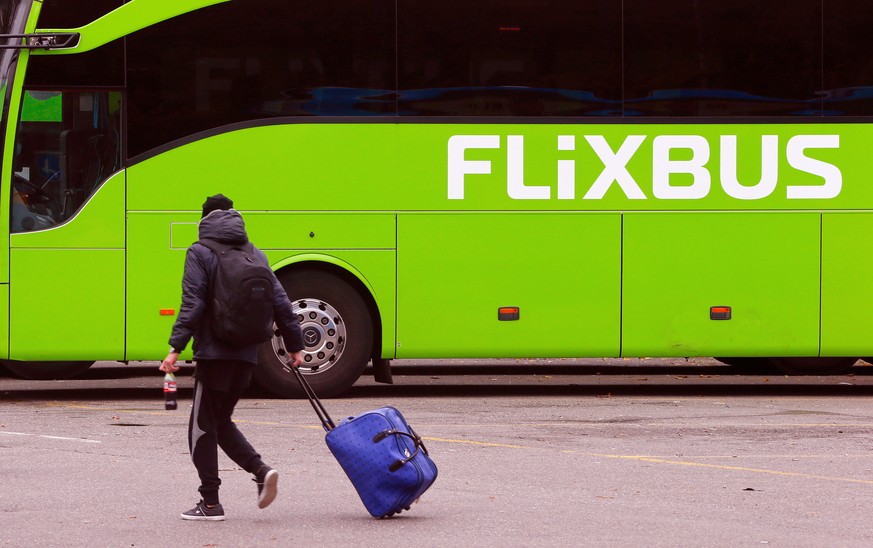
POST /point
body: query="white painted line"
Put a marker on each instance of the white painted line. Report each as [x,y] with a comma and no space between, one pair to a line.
[83,440]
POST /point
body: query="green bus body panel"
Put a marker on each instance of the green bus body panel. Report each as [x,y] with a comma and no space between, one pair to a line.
[406,167]
[154,283]
[305,231]
[67,304]
[322,231]
[129,18]
[847,284]
[157,242]
[297,167]
[765,266]
[99,224]
[68,282]
[455,271]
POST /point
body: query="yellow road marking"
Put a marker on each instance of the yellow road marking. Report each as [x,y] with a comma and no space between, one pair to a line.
[734,468]
[640,458]
[479,443]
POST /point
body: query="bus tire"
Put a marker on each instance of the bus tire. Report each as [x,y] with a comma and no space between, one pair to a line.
[337,330]
[45,371]
[814,366]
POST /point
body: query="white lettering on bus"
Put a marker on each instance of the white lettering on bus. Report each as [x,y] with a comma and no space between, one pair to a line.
[663,167]
[833,178]
[515,186]
[459,166]
[615,168]
[566,169]
[769,169]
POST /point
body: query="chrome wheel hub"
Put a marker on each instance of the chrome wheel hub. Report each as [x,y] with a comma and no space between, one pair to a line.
[324,335]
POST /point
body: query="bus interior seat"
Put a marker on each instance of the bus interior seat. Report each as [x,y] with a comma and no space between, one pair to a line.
[80,167]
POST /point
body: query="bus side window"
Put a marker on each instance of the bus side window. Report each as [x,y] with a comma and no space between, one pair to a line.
[848,66]
[461,58]
[240,62]
[722,58]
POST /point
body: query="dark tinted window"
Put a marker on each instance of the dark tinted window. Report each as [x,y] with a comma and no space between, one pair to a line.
[101,67]
[848,58]
[722,57]
[512,58]
[242,61]
[68,14]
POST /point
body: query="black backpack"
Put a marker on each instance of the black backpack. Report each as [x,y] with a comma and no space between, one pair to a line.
[241,295]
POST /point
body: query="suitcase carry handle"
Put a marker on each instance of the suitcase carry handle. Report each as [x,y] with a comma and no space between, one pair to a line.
[326,422]
[419,446]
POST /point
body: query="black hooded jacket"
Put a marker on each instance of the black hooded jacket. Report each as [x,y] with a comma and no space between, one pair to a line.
[201,265]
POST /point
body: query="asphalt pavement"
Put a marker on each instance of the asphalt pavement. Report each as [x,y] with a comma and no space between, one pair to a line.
[529,454]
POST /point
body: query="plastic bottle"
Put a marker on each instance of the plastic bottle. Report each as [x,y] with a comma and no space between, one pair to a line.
[170,391]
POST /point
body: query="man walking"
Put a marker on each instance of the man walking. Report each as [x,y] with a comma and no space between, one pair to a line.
[224,368]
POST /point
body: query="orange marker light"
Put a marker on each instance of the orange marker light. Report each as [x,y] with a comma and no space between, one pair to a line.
[719,313]
[507,313]
[168,311]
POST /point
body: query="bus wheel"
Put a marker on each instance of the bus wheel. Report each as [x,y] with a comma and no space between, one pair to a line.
[337,333]
[44,371]
[814,366]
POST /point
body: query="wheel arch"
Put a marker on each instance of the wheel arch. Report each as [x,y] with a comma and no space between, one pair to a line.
[348,273]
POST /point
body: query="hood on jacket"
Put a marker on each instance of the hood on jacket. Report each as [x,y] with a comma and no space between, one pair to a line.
[224,225]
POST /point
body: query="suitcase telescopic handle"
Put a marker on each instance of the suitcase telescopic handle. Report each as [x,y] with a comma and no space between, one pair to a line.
[326,422]
[419,446]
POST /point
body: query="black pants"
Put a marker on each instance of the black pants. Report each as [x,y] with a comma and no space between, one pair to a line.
[218,386]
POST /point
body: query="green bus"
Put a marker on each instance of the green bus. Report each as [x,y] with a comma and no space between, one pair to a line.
[454,179]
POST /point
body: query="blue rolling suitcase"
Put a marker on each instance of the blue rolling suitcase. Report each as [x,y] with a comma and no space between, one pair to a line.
[381,454]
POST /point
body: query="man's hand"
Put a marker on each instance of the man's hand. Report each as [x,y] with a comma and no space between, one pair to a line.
[169,363]
[296,359]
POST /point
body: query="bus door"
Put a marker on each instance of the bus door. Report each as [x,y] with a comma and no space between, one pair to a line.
[64,197]
[65,201]
[67,259]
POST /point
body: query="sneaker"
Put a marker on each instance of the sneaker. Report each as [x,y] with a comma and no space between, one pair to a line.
[267,482]
[201,513]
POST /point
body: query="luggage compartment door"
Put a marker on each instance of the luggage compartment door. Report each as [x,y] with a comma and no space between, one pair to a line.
[455,271]
[764,266]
